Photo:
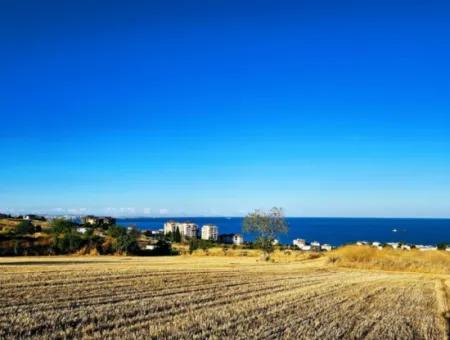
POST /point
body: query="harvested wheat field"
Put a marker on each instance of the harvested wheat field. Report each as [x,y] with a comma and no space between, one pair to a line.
[215,297]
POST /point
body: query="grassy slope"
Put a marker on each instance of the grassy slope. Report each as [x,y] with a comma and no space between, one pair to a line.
[392,259]
[9,224]
[216,296]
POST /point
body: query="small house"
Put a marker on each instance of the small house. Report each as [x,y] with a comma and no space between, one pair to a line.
[326,247]
[394,245]
[236,239]
[299,242]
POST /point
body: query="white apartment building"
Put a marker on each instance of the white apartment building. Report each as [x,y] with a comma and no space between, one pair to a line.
[210,232]
[170,227]
[187,229]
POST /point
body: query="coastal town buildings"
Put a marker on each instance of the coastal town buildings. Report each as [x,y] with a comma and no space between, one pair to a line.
[315,246]
[34,217]
[326,247]
[187,229]
[398,245]
[210,232]
[299,242]
[362,243]
[425,248]
[95,220]
[394,245]
[170,227]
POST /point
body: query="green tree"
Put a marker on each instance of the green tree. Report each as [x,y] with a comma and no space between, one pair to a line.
[266,226]
[168,236]
[177,236]
[442,246]
[162,248]
[193,245]
[16,246]
[65,239]
[124,241]
[61,225]
[90,239]
[67,242]
[25,227]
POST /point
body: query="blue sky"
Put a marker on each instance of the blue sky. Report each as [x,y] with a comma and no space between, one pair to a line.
[326,108]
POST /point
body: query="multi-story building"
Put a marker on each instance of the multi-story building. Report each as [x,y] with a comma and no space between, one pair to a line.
[170,227]
[210,232]
[187,229]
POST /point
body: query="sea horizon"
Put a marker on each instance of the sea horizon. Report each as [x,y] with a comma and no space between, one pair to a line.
[336,231]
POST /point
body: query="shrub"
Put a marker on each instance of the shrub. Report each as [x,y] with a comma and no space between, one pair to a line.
[24,228]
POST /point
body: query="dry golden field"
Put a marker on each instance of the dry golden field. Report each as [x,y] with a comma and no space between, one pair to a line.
[365,257]
[216,297]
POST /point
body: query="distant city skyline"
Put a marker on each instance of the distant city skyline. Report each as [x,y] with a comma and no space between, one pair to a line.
[218,108]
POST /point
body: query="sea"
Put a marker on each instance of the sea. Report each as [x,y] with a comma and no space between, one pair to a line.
[334,231]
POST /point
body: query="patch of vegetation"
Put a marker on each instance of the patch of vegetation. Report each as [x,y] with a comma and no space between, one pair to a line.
[63,237]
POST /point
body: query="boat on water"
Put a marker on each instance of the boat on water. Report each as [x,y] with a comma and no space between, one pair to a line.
[394,230]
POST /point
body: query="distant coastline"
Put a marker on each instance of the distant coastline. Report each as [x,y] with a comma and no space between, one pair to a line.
[336,231]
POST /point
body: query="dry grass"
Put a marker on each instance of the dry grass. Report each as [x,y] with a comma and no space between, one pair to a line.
[277,257]
[9,224]
[215,297]
[365,257]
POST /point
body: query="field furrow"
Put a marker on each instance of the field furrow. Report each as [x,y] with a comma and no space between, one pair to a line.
[187,298]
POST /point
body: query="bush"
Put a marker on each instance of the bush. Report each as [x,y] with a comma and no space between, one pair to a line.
[123,241]
[24,228]
[442,246]
[68,242]
[193,245]
[61,225]
[64,237]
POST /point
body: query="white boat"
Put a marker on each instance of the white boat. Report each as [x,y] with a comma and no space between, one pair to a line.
[394,230]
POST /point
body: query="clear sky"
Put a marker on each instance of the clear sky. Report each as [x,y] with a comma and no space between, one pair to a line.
[326,108]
